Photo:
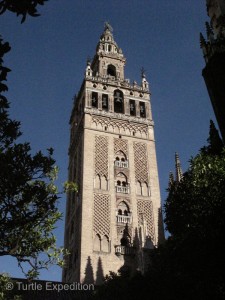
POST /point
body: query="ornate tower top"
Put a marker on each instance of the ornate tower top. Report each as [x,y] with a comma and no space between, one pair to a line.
[108,59]
[109,62]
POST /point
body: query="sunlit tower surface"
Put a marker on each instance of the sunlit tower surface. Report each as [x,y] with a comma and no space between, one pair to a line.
[114,219]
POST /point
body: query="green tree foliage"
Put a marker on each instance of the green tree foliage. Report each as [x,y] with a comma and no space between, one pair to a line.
[195,217]
[6,292]
[21,7]
[28,196]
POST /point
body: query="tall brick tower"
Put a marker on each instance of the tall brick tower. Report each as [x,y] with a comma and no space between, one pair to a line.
[115,217]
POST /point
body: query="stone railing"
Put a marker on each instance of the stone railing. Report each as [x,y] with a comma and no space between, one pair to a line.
[123,219]
[124,250]
[122,189]
[121,164]
[117,81]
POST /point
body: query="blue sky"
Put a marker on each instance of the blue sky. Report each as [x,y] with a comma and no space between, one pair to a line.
[48,60]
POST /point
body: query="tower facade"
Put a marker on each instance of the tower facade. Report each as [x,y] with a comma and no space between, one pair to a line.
[214,55]
[115,217]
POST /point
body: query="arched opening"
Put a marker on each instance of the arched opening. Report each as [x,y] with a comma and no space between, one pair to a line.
[105,244]
[97,182]
[104,183]
[111,70]
[139,190]
[118,102]
[105,102]
[142,110]
[123,208]
[132,108]
[124,183]
[145,189]
[125,213]
[121,160]
[120,212]
[97,243]
[121,155]
[94,99]
[121,178]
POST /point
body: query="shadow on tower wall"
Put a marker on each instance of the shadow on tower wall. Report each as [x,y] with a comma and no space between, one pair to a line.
[99,273]
[89,274]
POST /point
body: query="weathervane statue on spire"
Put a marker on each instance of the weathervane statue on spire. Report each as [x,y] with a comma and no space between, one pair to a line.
[108,26]
[143,72]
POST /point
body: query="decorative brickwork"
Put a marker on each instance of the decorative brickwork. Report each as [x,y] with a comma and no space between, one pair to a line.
[120,126]
[141,162]
[101,156]
[121,145]
[101,214]
[145,213]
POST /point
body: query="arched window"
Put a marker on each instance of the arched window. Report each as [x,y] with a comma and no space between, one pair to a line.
[139,191]
[104,184]
[105,102]
[123,208]
[132,108]
[97,243]
[94,99]
[121,156]
[118,182]
[118,102]
[111,70]
[145,189]
[121,178]
[105,244]
[97,182]
[142,110]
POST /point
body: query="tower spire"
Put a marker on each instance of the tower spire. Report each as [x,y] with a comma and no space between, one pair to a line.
[179,173]
[171,180]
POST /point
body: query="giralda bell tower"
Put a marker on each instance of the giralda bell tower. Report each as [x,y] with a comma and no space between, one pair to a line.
[114,219]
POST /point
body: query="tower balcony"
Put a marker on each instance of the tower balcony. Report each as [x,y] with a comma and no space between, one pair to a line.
[124,219]
[121,164]
[124,250]
[122,189]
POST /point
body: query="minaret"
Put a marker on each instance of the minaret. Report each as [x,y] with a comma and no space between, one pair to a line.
[214,55]
[116,213]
